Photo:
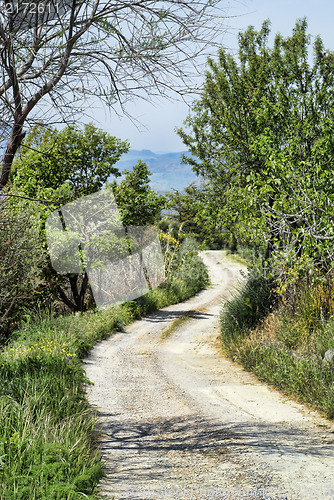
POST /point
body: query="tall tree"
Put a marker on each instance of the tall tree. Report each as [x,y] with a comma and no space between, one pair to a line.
[139,205]
[262,133]
[56,55]
[75,161]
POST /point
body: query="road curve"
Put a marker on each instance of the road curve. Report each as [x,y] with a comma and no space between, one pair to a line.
[182,422]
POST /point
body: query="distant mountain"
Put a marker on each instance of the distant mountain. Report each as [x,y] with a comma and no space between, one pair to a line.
[167,171]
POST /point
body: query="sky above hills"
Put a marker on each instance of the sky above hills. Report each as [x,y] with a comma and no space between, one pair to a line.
[167,172]
[160,118]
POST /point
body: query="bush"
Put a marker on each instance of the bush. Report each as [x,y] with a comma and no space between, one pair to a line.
[21,260]
[249,306]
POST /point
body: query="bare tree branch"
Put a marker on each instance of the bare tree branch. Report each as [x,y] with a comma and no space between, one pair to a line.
[25,198]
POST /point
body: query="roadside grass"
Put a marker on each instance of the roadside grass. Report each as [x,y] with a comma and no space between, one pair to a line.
[236,257]
[48,445]
[281,345]
[252,303]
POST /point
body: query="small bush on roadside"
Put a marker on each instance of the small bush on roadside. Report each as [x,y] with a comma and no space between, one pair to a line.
[249,306]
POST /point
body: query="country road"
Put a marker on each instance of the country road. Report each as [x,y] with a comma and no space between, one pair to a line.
[182,422]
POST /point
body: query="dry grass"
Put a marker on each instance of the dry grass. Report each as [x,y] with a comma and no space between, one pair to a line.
[267,331]
[176,323]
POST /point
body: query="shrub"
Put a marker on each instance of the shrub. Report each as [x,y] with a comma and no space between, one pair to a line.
[20,263]
[249,306]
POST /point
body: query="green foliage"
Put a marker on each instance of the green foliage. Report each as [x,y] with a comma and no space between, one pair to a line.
[247,308]
[22,258]
[187,274]
[262,134]
[287,347]
[138,203]
[61,166]
[199,214]
[183,266]
[68,163]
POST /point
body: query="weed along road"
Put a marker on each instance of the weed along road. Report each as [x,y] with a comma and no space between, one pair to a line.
[182,422]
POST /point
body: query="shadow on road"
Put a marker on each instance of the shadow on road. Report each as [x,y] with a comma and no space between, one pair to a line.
[163,316]
[197,434]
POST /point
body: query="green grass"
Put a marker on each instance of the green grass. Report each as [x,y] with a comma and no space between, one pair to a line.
[48,446]
[252,303]
[282,347]
[46,430]
[235,257]
[246,255]
[302,378]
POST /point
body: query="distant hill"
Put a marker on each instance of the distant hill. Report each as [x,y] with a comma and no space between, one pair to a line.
[166,168]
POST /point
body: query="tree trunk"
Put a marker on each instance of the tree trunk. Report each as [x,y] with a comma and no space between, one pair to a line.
[13,145]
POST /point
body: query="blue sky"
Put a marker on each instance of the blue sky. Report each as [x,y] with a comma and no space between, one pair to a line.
[159,119]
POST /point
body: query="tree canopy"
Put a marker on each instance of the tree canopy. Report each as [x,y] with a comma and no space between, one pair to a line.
[262,133]
[69,162]
[62,166]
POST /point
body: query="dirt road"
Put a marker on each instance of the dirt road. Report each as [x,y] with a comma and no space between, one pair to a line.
[182,422]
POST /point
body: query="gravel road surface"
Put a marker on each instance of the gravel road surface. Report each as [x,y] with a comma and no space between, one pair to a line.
[181,422]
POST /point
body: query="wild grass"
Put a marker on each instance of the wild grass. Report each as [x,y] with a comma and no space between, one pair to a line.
[48,446]
[285,346]
[252,303]
[246,255]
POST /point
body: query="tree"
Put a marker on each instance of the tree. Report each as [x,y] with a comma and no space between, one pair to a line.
[138,203]
[262,133]
[61,167]
[198,214]
[55,56]
[70,161]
